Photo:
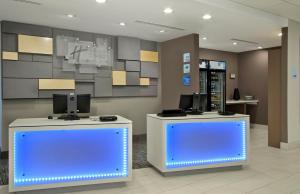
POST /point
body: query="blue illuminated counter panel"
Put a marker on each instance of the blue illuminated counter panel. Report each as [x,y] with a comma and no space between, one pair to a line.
[197,142]
[55,153]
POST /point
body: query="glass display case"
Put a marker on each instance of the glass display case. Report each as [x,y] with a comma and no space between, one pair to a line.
[212,85]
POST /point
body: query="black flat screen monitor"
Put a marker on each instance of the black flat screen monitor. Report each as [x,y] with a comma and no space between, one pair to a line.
[186,102]
[60,103]
[84,103]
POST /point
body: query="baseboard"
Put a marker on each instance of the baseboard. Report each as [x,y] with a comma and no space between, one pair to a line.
[290,146]
[254,125]
[4,155]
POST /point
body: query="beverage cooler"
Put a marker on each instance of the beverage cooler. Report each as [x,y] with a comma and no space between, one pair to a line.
[212,85]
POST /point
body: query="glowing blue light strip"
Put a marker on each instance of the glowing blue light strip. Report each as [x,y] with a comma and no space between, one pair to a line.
[219,160]
[124,173]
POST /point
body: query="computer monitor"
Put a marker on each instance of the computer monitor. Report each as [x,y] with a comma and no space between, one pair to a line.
[83,103]
[60,103]
[186,102]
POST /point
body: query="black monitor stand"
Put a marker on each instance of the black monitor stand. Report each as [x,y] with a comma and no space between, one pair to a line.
[69,117]
[196,106]
[72,109]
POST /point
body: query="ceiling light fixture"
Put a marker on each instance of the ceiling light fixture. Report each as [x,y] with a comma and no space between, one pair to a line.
[204,38]
[280,34]
[70,16]
[234,43]
[122,24]
[168,10]
[259,47]
[162,31]
[206,17]
[101,1]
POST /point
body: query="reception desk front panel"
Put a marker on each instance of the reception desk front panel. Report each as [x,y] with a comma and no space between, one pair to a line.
[197,142]
[59,156]
[203,143]
[47,157]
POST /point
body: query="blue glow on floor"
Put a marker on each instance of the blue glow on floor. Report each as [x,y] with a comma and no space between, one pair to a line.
[205,143]
[54,156]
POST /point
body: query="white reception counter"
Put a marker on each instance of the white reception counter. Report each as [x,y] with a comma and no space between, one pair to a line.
[47,153]
[197,142]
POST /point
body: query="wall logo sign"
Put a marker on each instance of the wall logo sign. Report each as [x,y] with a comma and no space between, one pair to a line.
[187,57]
[186,68]
[186,80]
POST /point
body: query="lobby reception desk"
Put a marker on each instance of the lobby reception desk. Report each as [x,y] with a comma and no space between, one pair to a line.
[197,142]
[47,153]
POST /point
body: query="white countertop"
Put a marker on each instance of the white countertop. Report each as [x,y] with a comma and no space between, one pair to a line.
[36,122]
[204,116]
[242,101]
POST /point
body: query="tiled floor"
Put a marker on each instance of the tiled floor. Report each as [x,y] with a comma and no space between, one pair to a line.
[271,171]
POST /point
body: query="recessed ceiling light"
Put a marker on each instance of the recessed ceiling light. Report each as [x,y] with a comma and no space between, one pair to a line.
[101,1]
[280,34]
[259,47]
[162,31]
[122,24]
[70,16]
[206,16]
[168,10]
[234,43]
[204,38]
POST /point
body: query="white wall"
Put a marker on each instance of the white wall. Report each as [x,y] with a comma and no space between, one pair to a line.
[293,84]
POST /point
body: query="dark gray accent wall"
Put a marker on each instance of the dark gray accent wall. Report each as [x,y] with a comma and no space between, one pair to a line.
[133,66]
[127,91]
[20,88]
[103,87]
[129,48]
[35,66]
[147,99]
[27,29]
[149,69]
[26,69]
[85,88]
[9,42]
[132,78]
[148,45]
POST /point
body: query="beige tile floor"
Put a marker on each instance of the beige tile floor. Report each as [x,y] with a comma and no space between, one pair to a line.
[271,171]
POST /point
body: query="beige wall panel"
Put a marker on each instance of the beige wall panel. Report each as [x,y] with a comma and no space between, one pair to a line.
[35,44]
[119,78]
[56,84]
[149,56]
[145,81]
[14,56]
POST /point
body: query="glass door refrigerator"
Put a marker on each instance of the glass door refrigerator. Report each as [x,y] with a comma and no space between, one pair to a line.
[212,85]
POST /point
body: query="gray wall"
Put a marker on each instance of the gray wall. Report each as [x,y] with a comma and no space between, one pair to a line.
[232,66]
[253,80]
[133,108]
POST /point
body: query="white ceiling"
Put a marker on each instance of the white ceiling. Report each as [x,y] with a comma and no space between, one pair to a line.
[285,8]
[230,19]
